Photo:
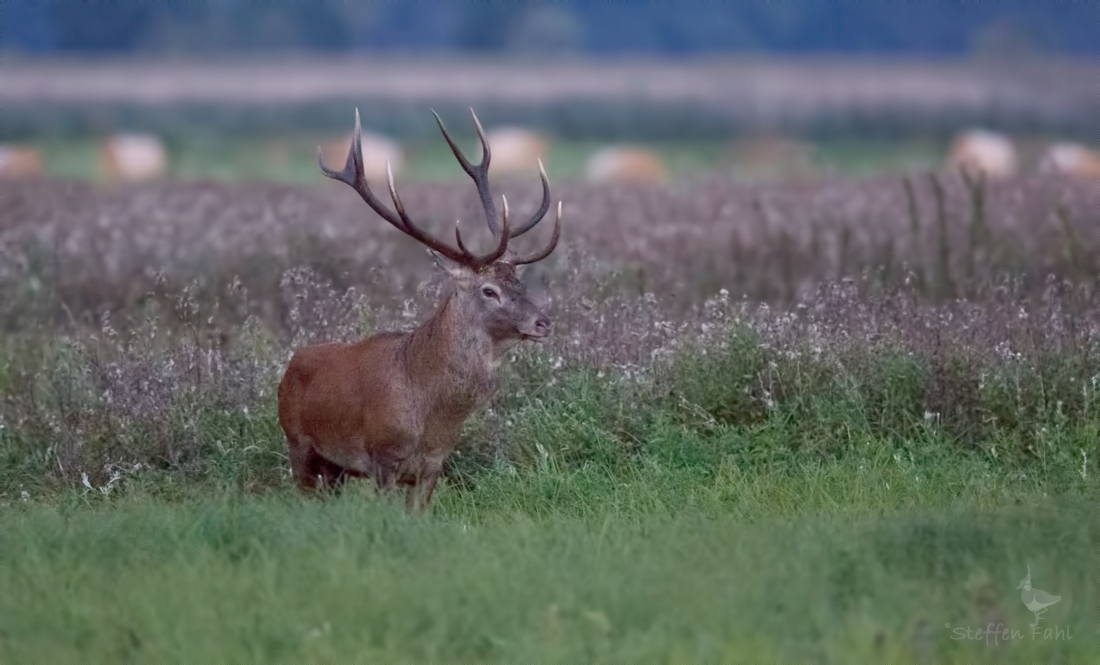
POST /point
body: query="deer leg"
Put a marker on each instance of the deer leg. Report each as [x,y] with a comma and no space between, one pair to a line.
[384,477]
[420,493]
[302,463]
[312,470]
[333,474]
[429,489]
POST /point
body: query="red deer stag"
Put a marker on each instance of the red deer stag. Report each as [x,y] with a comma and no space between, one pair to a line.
[390,407]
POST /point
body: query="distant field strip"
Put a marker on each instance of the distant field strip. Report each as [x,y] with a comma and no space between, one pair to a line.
[724,93]
[749,83]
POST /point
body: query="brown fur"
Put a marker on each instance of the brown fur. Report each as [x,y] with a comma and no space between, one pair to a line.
[390,407]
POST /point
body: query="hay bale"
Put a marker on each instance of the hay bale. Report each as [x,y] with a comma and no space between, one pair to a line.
[1072,159]
[982,152]
[19,161]
[625,163]
[515,149]
[132,157]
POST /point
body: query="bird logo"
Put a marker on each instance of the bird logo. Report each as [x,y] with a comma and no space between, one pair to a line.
[1036,600]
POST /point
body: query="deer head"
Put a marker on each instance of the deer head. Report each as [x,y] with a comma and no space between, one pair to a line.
[487,288]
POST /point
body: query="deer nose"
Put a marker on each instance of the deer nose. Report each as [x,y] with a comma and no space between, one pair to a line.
[542,324]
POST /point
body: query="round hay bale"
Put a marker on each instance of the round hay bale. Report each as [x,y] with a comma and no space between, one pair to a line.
[1070,159]
[19,161]
[515,149]
[132,157]
[982,152]
[625,164]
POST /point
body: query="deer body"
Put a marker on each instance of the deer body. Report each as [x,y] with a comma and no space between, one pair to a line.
[391,407]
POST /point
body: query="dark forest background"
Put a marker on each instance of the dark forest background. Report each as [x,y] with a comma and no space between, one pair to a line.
[197,27]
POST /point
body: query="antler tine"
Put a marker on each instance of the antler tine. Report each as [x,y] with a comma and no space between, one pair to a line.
[461,255]
[538,256]
[479,173]
[543,207]
[502,244]
[466,165]
[353,175]
[458,237]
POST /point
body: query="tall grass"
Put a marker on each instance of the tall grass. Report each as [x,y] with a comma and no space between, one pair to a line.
[75,251]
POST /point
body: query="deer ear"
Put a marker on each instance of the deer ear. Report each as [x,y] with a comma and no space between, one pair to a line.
[535,282]
[450,267]
[530,275]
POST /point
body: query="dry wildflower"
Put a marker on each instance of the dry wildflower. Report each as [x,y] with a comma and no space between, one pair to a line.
[168,302]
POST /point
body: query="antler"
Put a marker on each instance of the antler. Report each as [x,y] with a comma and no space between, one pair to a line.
[353,175]
[480,175]
[538,256]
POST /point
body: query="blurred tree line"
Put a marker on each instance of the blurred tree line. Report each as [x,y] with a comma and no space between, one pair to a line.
[997,27]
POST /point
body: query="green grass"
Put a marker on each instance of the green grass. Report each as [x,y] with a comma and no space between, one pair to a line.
[811,532]
[293,159]
[842,562]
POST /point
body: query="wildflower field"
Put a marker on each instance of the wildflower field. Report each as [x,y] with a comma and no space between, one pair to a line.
[831,419]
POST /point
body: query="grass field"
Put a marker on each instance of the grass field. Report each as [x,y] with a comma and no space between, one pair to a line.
[857,461]
[816,532]
[833,562]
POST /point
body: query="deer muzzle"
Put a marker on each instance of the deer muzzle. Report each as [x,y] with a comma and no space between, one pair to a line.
[538,329]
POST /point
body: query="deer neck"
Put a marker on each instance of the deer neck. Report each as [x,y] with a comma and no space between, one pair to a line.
[447,351]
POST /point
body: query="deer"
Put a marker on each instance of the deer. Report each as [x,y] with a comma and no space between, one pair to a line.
[390,407]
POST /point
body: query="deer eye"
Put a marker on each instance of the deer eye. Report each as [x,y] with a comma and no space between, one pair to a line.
[490,292]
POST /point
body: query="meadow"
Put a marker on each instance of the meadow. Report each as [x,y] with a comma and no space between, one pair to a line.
[833,419]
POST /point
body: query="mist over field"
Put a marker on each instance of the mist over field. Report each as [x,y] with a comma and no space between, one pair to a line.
[822,382]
